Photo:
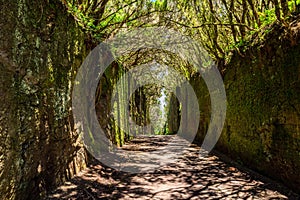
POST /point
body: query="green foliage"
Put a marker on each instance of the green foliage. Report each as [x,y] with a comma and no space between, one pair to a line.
[83,20]
[116,15]
[220,26]
[292,4]
[267,17]
[160,4]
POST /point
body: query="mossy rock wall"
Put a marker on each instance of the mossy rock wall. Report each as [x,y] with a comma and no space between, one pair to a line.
[41,48]
[262,128]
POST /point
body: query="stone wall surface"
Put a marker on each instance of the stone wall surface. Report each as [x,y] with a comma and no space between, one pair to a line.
[41,48]
[262,127]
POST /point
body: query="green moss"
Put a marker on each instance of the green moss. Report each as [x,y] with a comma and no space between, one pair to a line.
[262,123]
[256,100]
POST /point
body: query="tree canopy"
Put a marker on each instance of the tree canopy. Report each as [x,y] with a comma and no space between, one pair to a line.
[220,26]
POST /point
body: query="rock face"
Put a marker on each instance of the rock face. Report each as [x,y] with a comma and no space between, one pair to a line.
[263,114]
[41,48]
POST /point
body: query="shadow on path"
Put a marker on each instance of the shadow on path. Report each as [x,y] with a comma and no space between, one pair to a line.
[190,177]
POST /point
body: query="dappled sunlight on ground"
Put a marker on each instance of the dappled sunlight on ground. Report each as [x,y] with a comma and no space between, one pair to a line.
[189,177]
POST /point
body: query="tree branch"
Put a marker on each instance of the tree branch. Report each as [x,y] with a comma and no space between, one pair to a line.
[212,24]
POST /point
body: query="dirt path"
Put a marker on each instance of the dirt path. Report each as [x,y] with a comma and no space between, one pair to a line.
[189,177]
